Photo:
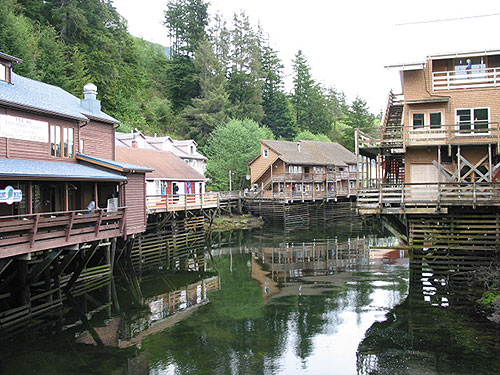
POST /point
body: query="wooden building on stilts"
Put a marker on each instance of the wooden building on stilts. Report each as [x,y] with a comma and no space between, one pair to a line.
[432,170]
[64,199]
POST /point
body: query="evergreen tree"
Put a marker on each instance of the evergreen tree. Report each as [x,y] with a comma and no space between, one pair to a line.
[358,116]
[244,84]
[181,81]
[186,21]
[278,114]
[308,98]
[210,109]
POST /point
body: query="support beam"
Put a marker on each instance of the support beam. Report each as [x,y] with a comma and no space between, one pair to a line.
[37,270]
[81,266]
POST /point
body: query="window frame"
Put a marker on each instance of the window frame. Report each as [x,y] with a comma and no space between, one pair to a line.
[62,138]
[472,123]
[427,120]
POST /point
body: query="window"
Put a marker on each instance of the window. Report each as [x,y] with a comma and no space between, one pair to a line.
[352,168]
[192,149]
[427,120]
[3,72]
[82,146]
[62,141]
[473,121]
[266,153]
[435,120]
[418,120]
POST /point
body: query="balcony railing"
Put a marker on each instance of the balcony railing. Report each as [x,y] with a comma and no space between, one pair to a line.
[310,177]
[478,132]
[181,202]
[22,234]
[406,197]
[304,195]
[466,79]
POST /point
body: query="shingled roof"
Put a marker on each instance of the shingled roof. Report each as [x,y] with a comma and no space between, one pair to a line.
[166,165]
[45,98]
[312,152]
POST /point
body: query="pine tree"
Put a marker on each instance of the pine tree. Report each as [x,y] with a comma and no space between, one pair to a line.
[210,109]
[278,114]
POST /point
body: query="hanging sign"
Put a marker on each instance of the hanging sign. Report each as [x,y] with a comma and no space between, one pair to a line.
[10,195]
[24,128]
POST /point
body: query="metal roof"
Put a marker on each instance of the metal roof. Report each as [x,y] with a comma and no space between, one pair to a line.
[113,164]
[312,152]
[166,165]
[52,170]
[464,54]
[42,97]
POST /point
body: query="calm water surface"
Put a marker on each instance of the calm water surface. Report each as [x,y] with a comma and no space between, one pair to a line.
[300,302]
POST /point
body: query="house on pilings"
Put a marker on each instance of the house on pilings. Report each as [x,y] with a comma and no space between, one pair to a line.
[305,170]
[63,196]
[432,168]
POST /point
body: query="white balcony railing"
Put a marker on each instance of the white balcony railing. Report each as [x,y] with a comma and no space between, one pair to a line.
[466,79]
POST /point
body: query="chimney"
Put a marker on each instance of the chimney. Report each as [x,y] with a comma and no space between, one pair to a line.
[90,102]
[135,144]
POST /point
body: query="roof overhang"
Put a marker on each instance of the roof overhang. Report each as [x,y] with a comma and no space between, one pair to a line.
[440,99]
[409,66]
[177,179]
[464,54]
[42,111]
[113,165]
[53,171]
[12,59]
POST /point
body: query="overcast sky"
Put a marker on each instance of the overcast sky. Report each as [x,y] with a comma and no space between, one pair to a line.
[347,43]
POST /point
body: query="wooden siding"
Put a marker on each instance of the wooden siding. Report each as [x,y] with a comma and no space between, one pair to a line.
[262,163]
[20,149]
[99,140]
[135,201]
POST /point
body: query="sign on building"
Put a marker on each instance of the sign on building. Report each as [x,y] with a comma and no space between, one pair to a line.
[23,128]
[10,195]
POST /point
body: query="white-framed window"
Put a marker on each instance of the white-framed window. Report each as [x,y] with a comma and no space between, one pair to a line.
[473,121]
[426,120]
[62,141]
[265,153]
[352,168]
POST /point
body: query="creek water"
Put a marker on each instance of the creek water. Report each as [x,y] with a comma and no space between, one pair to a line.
[323,300]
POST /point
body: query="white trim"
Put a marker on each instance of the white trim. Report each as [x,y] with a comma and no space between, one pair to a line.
[472,134]
[464,54]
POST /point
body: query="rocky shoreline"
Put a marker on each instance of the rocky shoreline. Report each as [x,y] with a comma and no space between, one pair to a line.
[224,223]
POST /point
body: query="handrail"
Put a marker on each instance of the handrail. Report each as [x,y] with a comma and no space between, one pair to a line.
[179,202]
[430,194]
[455,133]
[462,79]
[21,234]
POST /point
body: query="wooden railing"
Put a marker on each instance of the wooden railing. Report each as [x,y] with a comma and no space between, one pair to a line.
[310,177]
[466,79]
[180,202]
[302,195]
[431,195]
[478,132]
[22,234]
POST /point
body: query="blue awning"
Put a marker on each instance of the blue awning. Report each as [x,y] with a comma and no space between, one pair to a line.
[51,170]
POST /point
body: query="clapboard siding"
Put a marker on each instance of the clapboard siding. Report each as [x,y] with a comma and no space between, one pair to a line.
[135,201]
[21,149]
[99,140]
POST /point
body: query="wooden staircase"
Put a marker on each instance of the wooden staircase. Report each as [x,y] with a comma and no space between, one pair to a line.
[392,124]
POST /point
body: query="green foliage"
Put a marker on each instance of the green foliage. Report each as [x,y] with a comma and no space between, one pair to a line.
[186,21]
[311,107]
[230,147]
[181,82]
[489,298]
[306,135]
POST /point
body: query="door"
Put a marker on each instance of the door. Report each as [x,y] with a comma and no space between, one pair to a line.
[427,177]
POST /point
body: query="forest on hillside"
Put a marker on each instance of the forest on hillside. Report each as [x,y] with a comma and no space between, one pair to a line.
[214,72]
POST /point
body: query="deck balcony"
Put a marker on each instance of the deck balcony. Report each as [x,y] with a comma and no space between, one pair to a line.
[182,202]
[24,234]
[466,79]
[311,177]
[427,197]
[476,133]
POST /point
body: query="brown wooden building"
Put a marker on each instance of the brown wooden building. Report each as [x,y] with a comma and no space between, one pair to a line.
[304,170]
[56,157]
[439,144]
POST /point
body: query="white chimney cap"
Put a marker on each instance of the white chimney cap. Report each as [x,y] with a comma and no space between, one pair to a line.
[90,88]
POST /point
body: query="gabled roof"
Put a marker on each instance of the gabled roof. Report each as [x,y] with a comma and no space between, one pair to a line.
[166,165]
[312,152]
[51,170]
[41,97]
[113,164]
